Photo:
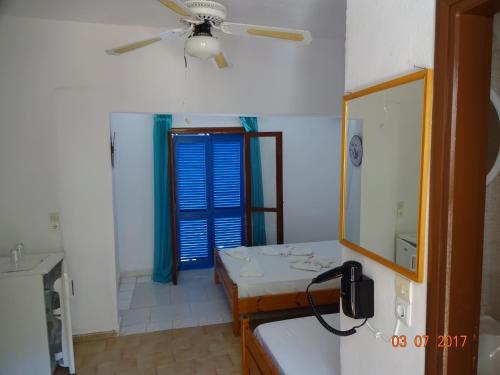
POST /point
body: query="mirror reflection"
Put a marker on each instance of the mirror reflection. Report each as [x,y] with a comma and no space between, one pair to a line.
[382,172]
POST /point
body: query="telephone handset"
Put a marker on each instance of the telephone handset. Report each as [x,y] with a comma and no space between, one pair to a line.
[356,292]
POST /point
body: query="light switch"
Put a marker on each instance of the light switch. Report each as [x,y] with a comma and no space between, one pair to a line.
[404,289]
[401,209]
[54,222]
[403,307]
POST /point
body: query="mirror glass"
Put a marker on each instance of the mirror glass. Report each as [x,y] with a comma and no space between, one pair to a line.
[383,133]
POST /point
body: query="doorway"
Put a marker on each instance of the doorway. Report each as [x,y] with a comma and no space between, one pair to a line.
[208,189]
[457,186]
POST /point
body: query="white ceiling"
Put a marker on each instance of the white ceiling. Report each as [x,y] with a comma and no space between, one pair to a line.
[324,18]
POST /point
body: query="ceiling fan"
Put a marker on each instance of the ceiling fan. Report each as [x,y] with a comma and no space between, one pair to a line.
[200,18]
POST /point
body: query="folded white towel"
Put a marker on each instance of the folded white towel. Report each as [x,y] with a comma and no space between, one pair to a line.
[325,263]
[302,262]
[237,252]
[306,266]
[299,258]
[297,251]
[251,268]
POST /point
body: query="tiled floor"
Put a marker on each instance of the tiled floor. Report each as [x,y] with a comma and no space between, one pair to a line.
[146,306]
[209,350]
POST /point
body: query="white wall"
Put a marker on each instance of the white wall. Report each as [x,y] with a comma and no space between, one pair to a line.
[385,39]
[133,189]
[57,90]
[311,175]
[311,163]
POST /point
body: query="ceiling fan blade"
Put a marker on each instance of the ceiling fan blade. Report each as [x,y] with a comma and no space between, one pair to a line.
[178,7]
[166,35]
[132,46]
[221,61]
[293,35]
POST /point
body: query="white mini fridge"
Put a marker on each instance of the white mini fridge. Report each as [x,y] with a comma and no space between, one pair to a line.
[35,318]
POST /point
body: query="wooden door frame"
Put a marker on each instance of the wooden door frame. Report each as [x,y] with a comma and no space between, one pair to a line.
[279,186]
[457,182]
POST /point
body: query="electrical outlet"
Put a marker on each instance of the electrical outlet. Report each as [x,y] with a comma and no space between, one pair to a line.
[403,311]
[54,221]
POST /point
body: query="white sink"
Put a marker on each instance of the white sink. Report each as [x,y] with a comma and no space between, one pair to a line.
[27,263]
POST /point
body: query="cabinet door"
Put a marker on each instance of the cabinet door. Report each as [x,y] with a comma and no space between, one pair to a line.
[68,359]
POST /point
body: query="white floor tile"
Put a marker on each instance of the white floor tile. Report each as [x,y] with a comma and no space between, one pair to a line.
[160,326]
[179,295]
[186,322]
[226,318]
[124,304]
[208,307]
[144,288]
[134,329]
[144,279]
[209,319]
[127,287]
[128,280]
[147,306]
[162,286]
[142,300]
[197,294]
[170,312]
[134,317]
[126,294]
[214,293]
[162,299]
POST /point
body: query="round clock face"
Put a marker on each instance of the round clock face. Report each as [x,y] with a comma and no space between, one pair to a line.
[356,150]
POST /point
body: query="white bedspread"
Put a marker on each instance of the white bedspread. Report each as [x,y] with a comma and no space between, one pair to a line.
[278,276]
[302,346]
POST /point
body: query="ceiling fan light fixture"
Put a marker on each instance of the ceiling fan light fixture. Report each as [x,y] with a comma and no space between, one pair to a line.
[203,46]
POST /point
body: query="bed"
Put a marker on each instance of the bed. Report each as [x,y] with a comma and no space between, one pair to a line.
[291,347]
[281,288]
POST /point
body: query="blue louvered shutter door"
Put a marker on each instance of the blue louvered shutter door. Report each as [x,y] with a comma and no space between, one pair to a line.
[227,190]
[191,163]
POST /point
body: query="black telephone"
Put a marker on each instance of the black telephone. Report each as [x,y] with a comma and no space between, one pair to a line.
[356,291]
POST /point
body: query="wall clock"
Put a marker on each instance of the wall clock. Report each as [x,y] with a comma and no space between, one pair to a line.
[356,150]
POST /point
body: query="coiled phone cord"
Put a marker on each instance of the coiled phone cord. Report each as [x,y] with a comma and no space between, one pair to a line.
[322,321]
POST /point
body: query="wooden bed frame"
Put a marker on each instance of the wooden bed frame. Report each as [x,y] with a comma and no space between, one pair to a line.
[241,307]
[255,359]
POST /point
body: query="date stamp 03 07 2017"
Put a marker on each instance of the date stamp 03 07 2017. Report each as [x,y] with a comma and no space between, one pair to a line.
[422,341]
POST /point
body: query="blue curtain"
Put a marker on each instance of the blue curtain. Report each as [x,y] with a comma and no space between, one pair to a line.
[162,267]
[258,219]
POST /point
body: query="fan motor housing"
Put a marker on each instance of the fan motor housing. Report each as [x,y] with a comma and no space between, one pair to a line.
[208,10]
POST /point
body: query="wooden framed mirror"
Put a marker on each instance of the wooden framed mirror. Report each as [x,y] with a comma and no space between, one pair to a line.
[385,167]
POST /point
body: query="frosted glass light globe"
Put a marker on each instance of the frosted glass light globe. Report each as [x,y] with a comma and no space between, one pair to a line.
[202,46]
